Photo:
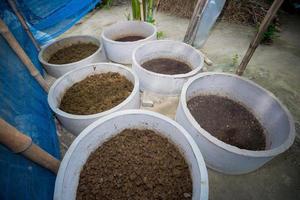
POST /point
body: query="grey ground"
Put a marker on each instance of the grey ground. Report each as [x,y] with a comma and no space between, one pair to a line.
[275,67]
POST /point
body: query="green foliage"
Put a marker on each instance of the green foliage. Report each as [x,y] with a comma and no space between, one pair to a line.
[160,35]
[127,15]
[108,4]
[269,35]
[235,59]
[147,13]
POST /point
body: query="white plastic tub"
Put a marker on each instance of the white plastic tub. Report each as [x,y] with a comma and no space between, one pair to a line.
[273,116]
[57,70]
[163,83]
[76,123]
[121,52]
[102,130]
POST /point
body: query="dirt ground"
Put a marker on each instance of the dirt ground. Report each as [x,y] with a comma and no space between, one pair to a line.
[275,67]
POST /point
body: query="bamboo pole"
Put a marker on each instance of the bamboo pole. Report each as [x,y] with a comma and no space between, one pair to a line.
[144,2]
[136,12]
[191,31]
[13,43]
[259,35]
[142,10]
[23,23]
[21,143]
[150,10]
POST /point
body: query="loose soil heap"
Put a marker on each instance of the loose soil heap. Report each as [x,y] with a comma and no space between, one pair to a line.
[73,53]
[135,164]
[167,66]
[131,38]
[96,93]
[228,120]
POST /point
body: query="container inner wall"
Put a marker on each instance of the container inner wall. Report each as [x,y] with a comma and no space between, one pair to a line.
[81,74]
[54,47]
[105,131]
[267,110]
[120,30]
[175,51]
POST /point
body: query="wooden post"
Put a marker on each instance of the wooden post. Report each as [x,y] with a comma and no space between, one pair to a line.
[191,31]
[23,23]
[21,143]
[13,43]
[259,35]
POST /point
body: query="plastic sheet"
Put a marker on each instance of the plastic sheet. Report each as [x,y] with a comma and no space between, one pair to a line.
[23,104]
[48,19]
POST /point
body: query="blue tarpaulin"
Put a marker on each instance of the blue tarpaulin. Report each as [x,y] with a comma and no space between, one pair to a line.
[48,19]
[23,103]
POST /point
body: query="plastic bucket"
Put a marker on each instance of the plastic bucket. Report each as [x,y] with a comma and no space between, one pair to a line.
[274,117]
[76,123]
[163,83]
[100,131]
[121,52]
[57,70]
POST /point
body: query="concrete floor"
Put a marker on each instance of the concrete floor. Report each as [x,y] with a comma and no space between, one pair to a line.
[275,67]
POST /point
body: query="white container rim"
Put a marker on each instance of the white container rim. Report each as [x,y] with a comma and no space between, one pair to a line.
[265,153]
[189,74]
[201,164]
[56,109]
[128,42]
[41,53]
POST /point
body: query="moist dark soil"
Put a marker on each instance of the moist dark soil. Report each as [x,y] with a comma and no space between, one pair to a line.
[131,38]
[228,120]
[96,93]
[137,165]
[167,66]
[73,53]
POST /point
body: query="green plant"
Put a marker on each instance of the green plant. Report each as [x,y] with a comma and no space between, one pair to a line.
[127,15]
[160,35]
[107,4]
[136,10]
[269,35]
[142,9]
[235,59]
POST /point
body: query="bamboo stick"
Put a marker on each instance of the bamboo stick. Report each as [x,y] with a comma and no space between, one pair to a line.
[21,143]
[150,10]
[259,35]
[136,12]
[144,2]
[13,43]
[191,31]
[23,23]
[142,10]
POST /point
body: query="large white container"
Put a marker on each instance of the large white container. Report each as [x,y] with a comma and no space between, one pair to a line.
[163,83]
[76,123]
[103,129]
[57,70]
[273,116]
[121,52]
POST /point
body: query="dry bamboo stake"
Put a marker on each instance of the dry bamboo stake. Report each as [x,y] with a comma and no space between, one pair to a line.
[259,35]
[13,43]
[192,28]
[23,23]
[21,143]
